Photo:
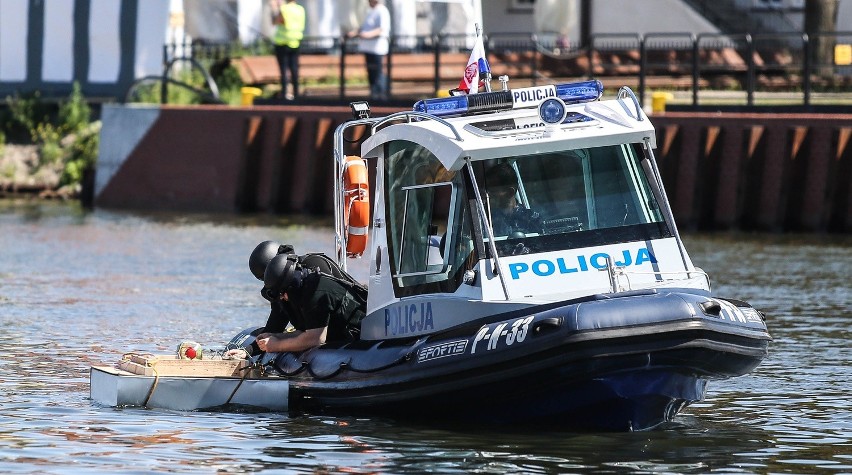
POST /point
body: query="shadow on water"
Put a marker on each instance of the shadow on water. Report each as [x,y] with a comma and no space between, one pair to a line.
[390,447]
[79,288]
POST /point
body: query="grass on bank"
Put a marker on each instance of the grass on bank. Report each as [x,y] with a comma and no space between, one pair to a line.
[65,136]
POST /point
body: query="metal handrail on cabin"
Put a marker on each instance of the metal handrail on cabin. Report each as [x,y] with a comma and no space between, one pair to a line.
[627,92]
[339,157]
[422,115]
[616,272]
[340,161]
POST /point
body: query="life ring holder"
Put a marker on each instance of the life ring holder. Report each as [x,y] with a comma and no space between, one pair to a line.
[356,212]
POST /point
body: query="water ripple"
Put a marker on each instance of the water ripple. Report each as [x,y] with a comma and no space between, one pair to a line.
[80,288]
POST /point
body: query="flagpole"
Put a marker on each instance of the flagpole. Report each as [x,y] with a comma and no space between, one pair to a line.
[487,73]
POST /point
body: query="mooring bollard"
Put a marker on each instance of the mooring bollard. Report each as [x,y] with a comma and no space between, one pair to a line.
[658,101]
[248,95]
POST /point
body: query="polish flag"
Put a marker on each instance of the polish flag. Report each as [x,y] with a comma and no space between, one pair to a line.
[476,65]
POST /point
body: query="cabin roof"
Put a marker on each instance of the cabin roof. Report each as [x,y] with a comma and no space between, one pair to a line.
[519,132]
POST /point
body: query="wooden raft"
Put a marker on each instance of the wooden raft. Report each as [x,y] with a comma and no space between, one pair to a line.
[170,365]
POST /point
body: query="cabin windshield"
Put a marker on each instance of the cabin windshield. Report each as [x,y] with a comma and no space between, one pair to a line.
[568,199]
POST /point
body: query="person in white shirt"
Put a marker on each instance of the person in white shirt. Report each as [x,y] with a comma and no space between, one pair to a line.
[374,42]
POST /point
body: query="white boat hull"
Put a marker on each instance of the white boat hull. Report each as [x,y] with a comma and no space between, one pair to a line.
[114,387]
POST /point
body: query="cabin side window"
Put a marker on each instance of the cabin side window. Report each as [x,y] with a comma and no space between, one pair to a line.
[427,227]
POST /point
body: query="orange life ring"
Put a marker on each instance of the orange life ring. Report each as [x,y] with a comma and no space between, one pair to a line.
[356,192]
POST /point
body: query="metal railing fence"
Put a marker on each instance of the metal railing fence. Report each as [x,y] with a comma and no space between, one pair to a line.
[742,64]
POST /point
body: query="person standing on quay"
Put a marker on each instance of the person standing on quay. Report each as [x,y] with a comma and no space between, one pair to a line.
[374,43]
[289,18]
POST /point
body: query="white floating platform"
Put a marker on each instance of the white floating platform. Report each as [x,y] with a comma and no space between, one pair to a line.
[183,385]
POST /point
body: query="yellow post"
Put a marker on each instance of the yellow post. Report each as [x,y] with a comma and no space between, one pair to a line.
[658,101]
[843,55]
[248,95]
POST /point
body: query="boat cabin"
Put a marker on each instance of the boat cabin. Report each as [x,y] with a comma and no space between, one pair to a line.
[495,202]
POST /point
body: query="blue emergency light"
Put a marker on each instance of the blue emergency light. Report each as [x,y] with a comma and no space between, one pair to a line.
[525,97]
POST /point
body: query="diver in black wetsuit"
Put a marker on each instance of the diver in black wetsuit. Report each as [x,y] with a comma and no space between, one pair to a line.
[311,294]
[320,307]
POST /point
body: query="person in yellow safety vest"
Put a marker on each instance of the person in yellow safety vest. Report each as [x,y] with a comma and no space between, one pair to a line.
[289,18]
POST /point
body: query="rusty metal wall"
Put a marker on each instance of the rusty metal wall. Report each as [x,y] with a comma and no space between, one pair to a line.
[220,159]
[722,171]
[767,172]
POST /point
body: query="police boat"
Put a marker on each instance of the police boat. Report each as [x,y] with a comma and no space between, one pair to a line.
[564,298]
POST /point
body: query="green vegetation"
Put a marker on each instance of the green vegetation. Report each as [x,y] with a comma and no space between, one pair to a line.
[229,82]
[188,86]
[66,138]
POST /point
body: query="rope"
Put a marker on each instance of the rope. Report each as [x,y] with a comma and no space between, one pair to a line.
[151,364]
[246,372]
[153,386]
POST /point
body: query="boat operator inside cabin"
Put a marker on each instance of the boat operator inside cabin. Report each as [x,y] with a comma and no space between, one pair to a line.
[508,216]
[310,293]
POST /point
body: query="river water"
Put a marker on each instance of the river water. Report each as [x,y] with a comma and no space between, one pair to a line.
[79,288]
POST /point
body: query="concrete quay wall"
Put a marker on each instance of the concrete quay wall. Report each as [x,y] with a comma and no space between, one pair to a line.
[775,172]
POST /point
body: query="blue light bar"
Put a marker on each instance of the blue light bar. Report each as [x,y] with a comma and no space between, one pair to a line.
[576,92]
[442,107]
[525,97]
